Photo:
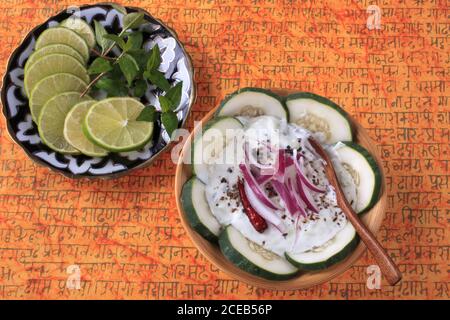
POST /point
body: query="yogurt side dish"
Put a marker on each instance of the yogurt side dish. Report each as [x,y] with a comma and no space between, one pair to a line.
[261,191]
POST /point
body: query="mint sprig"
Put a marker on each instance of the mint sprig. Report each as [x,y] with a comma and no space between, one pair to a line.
[131,70]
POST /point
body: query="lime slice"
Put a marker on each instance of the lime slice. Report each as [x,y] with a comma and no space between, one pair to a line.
[51,86]
[73,131]
[82,28]
[52,64]
[54,48]
[63,36]
[51,121]
[112,124]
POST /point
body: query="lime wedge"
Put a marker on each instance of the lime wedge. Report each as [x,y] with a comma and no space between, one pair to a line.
[73,131]
[54,48]
[112,124]
[63,36]
[82,28]
[51,86]
[51,121]
[52,64]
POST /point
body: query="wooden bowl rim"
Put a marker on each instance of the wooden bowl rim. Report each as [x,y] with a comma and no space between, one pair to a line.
[373,219]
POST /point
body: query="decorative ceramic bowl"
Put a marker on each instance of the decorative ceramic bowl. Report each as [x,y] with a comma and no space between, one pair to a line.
[372,220]
[176,64]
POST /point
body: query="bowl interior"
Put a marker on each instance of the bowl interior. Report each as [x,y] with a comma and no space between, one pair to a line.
[176,64]
[372,219]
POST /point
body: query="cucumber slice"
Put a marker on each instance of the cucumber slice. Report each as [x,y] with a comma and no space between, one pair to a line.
[252,258]
[253,102]
[318,114]
[365,172]
[213,139]
[197,210]
[336,250]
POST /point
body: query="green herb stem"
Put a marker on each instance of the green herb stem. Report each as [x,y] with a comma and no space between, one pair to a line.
[99,54]
[114,44]
[92,83]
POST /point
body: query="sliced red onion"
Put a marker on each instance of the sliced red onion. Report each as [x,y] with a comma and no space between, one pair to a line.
[306,196]
[280,228]
[286,196]
[289,162]
[263,178]
[281,166]
[300,204]
[265,212]
[300,169]
[253,184]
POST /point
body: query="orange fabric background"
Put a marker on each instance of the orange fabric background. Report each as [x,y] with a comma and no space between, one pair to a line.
[132,245]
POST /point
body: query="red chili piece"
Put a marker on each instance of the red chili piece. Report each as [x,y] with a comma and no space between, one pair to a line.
[256,220]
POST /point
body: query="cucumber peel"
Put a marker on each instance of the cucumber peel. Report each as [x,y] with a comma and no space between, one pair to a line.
[197,210]
[253,102]
[319,114]
[252,258]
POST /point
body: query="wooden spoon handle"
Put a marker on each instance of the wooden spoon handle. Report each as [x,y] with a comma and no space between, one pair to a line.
[386,264]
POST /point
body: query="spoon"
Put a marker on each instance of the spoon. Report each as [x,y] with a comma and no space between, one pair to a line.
[386,264]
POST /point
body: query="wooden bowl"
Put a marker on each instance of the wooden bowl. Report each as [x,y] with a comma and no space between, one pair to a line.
[372,219]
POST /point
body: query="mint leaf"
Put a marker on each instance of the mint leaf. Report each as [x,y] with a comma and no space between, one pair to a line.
[134,41]
[158,79]
[170,122]
[174,95]
[154,61]
[105,84]
[139,88]
[147,114]
[100,31]
[100,65]
[119,8]
[113,87]
[141,57]
[115,39]
[129,67]
[133,20]
[165,104]
[116,73]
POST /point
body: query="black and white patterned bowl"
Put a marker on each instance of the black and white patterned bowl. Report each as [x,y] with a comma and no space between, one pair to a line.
[176,64]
